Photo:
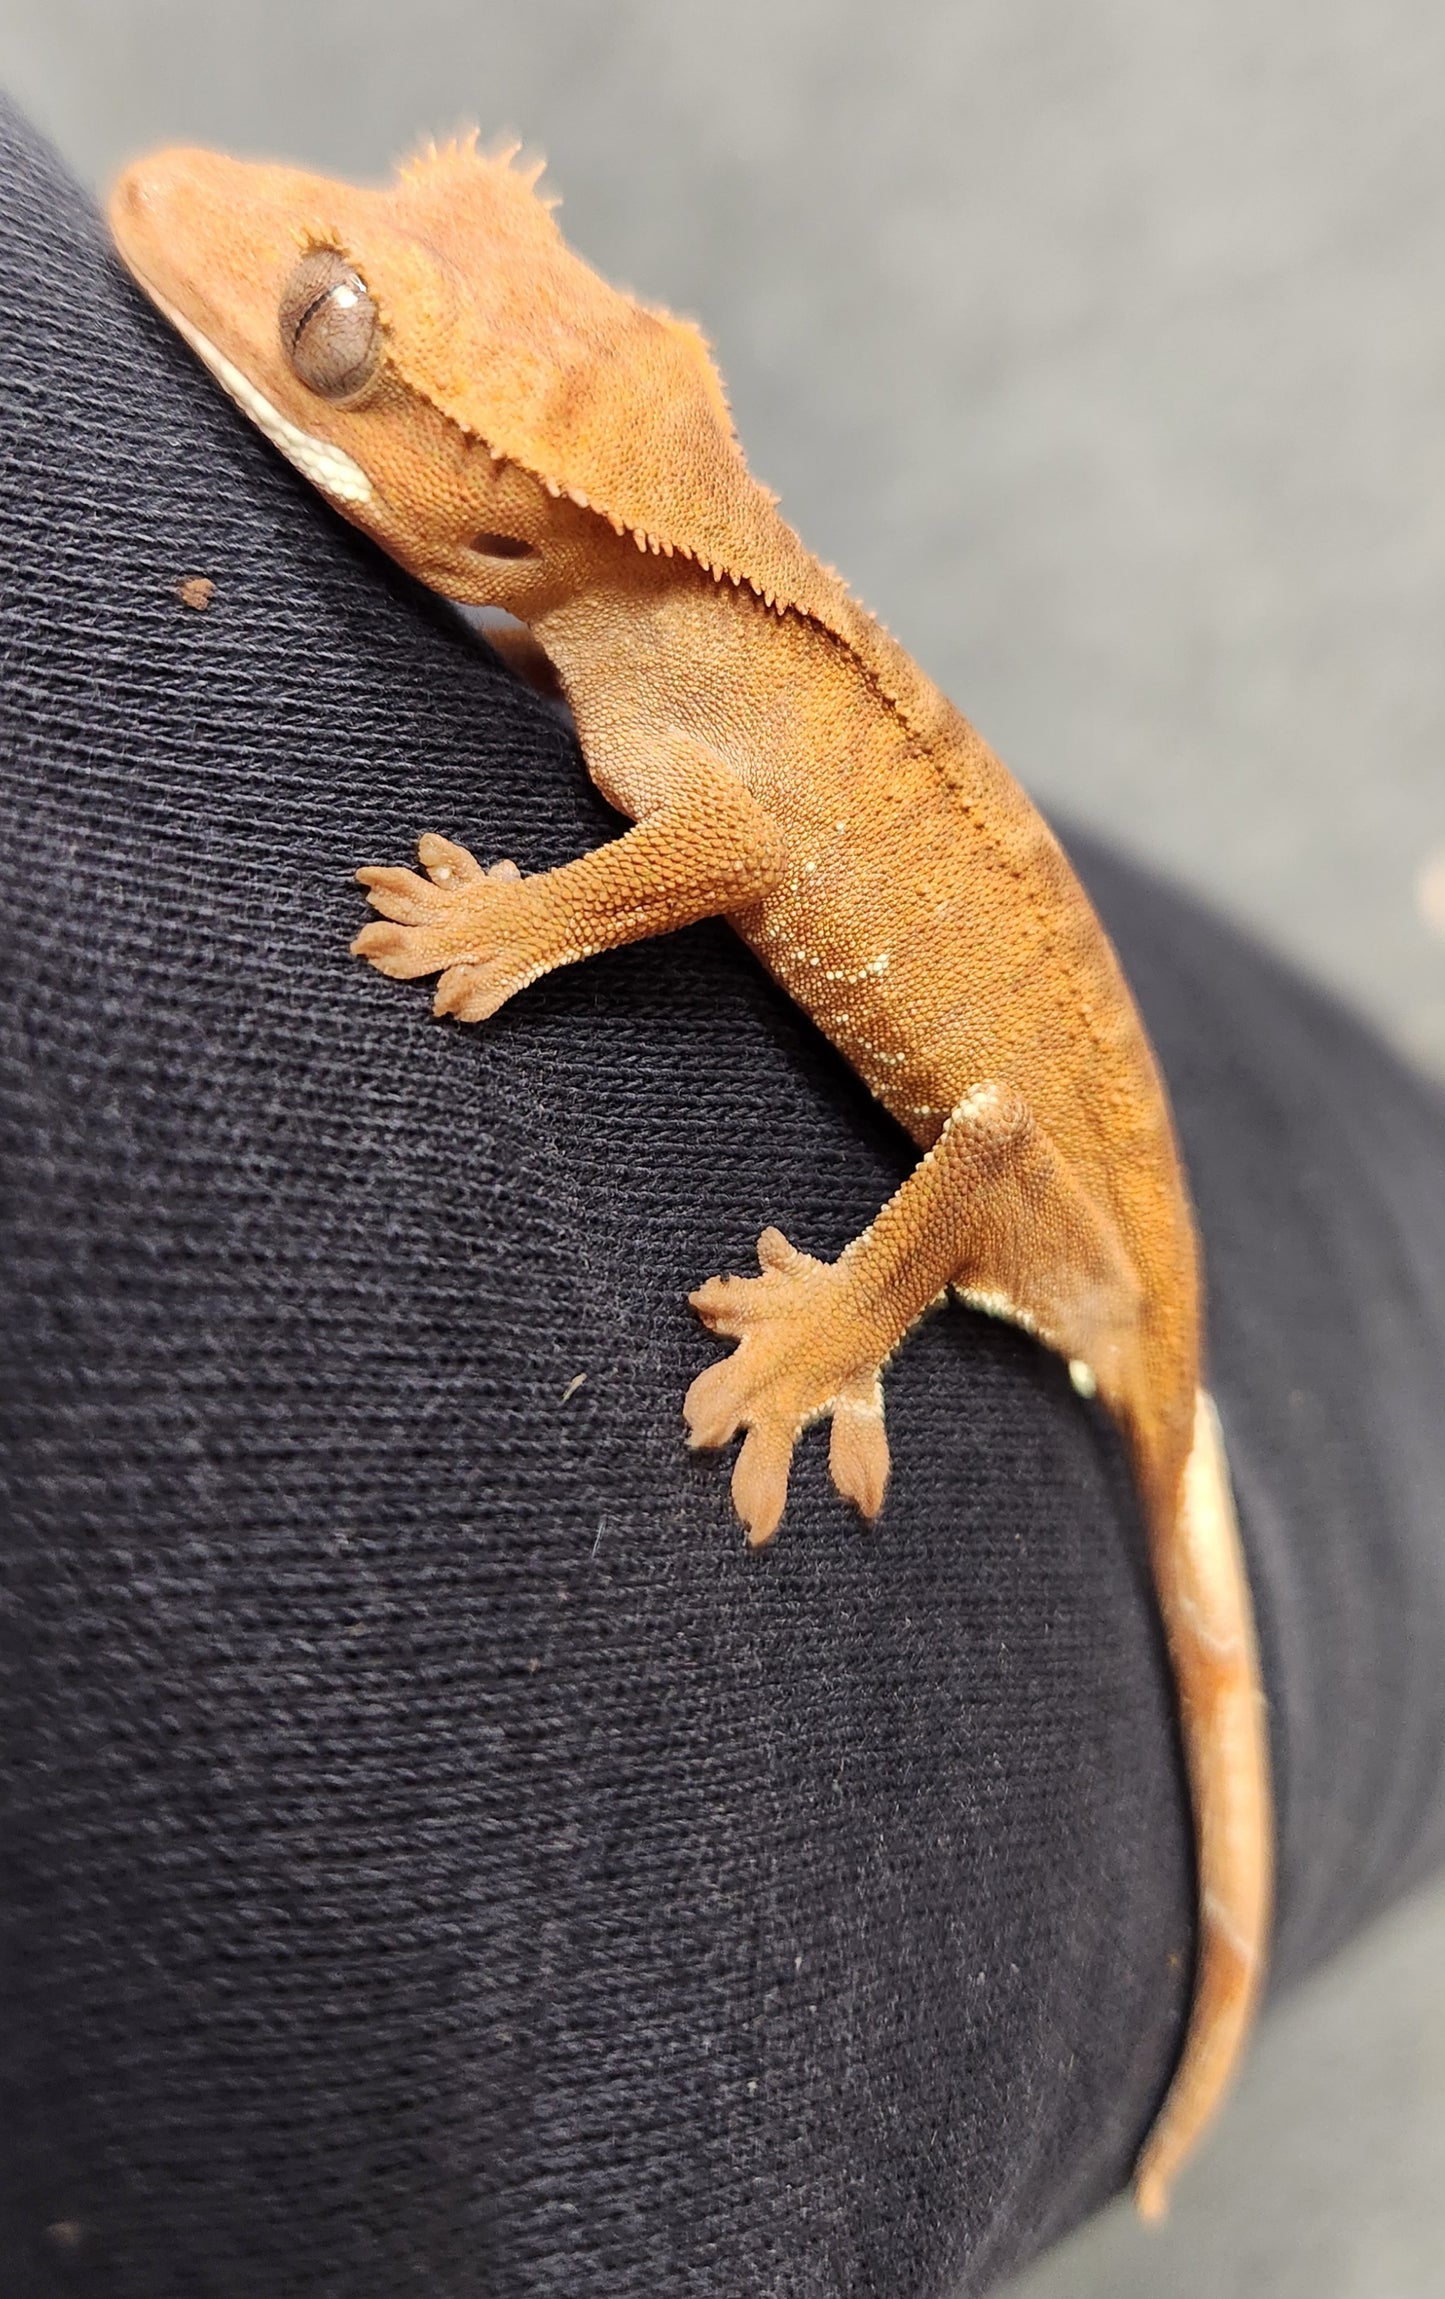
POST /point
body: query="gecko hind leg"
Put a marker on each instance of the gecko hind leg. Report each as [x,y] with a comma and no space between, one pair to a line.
[993,1210]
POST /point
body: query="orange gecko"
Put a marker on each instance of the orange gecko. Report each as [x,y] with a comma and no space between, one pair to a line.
[520,435]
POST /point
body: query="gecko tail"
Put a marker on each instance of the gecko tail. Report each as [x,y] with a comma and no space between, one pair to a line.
[1208,1618]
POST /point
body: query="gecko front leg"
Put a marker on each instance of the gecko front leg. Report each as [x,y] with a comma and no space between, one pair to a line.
[706,848]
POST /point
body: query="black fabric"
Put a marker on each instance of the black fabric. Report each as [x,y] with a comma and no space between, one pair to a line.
[438,1857]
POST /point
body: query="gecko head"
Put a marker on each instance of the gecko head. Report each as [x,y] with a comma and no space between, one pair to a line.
[441,365]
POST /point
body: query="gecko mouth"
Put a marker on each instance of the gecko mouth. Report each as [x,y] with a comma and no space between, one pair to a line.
[327,467]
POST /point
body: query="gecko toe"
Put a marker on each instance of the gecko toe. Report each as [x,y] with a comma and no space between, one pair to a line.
[858,1448]
[395,950]
[473,993]
[399,895]
[774,1251]
[760,1479]
[446,864]
[713,1407]
[724,1306]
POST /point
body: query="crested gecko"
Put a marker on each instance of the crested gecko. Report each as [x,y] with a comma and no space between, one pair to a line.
[520,435]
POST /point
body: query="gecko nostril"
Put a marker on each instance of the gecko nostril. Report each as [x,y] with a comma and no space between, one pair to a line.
[151,182]
[132,192]
[141,198]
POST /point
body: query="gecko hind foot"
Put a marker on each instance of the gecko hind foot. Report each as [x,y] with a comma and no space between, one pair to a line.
[801,1357]
[460,921]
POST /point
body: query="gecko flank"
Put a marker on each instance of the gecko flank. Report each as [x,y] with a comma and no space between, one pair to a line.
[520,435]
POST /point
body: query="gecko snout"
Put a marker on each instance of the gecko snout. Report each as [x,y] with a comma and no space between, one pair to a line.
[144,191]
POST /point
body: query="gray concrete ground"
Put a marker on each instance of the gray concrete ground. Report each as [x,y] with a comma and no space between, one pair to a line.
[1102,343]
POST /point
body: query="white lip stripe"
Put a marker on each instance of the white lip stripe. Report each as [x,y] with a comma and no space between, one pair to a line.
[327,467]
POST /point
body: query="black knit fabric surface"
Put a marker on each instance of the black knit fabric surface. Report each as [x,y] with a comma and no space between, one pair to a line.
[437,1857]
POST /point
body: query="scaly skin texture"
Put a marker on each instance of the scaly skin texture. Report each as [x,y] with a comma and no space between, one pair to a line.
[519,435]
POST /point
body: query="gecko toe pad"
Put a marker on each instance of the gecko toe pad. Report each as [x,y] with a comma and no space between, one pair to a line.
[800,1358]
[459,920]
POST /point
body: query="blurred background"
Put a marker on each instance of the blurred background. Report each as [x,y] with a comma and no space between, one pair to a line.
[1101,343]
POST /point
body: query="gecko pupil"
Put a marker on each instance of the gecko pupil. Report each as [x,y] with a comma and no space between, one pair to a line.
[330,328]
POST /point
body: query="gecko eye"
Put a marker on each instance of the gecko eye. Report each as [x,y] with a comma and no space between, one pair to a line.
[330,328]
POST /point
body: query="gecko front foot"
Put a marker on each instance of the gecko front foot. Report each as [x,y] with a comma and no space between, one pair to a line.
[465,923]
[802,1353]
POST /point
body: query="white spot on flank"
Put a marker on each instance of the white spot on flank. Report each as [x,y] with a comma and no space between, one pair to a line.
[327,467]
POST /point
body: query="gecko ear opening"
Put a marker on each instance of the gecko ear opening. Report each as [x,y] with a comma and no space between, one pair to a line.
[504,547]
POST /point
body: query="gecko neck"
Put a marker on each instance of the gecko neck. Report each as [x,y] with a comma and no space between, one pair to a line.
[651,617]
